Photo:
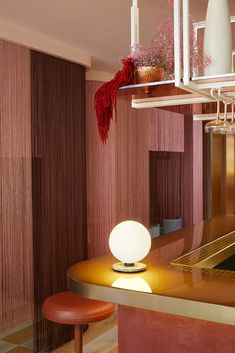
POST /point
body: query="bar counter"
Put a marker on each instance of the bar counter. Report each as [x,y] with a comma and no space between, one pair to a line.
[193,293]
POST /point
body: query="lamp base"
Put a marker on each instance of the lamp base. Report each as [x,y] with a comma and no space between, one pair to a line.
[135,267]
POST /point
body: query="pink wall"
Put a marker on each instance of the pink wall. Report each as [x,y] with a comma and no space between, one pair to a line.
[118,172]
[16,259]
[132,161]
[166,131]
[153,332]
[101,179]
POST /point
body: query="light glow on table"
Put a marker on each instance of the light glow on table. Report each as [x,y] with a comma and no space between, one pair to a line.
[135,283]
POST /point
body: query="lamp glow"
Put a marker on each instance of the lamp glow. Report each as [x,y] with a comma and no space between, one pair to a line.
[129,242]
[137,283]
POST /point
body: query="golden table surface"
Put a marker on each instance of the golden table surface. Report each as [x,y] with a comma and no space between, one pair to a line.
[192,292]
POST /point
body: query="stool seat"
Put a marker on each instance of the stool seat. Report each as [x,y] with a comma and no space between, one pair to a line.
[69,308]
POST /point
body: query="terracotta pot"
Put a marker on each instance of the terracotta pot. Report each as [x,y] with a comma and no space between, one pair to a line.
[148,74]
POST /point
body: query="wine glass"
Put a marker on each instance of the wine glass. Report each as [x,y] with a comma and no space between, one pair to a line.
[224,128]
[232,125]
[214,126]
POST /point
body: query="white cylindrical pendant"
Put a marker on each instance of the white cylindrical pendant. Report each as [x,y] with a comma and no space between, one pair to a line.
[134,24]
[218,38]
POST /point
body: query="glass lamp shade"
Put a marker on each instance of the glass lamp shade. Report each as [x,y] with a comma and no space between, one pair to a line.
[130,242]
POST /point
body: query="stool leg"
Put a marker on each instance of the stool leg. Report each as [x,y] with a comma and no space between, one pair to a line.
[78,338]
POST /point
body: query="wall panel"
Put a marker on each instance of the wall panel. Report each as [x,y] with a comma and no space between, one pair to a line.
[166,131]
[197,171]
[101,178]
[166,186]
[166,137]
[132,162]
[222,176]
[154,332]
[16,269]
[121,187]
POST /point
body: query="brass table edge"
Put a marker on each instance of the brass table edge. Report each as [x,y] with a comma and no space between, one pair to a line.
[148,301]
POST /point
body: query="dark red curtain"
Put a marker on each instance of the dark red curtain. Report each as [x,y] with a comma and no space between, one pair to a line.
[59,183]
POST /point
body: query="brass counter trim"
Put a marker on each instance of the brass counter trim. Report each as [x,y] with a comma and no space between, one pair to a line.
[208,256]
[176,306]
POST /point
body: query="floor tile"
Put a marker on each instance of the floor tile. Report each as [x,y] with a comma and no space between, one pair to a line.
[105,330]
[98,328]
[20,350]
[28,344]
[103,343]
[15,329]
[6,346]
[67,348]
[21,336]
[114,350]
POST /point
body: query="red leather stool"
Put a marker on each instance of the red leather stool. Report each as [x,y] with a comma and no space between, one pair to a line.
[68,308]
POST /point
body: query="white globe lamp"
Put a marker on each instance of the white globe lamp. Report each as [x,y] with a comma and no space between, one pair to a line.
[129,242]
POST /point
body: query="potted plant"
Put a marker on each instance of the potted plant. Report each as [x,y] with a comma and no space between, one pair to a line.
[156,62]
[150,64]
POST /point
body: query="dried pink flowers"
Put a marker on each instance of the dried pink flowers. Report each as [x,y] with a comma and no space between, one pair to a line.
[161,51]
[148,56]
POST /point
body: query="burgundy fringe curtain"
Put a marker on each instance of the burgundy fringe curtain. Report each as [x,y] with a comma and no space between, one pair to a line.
[165,169]
[59,185]
[42,183]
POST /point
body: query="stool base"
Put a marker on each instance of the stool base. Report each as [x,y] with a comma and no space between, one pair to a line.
[78,339]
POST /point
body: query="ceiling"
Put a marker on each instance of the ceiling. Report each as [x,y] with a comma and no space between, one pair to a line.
[100,28]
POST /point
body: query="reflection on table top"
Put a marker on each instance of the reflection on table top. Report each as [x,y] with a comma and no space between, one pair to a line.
[192,293]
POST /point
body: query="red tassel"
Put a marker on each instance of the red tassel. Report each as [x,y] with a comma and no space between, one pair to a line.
[106,97]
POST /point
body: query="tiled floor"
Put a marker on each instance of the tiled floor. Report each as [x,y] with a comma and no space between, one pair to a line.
[18,342]
[101,337]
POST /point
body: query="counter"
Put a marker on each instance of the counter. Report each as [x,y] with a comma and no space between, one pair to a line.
[162,288]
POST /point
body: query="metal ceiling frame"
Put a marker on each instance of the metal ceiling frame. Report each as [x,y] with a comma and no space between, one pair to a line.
[198,87]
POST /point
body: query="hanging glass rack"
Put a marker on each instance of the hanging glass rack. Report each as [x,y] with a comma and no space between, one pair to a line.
[184,89]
